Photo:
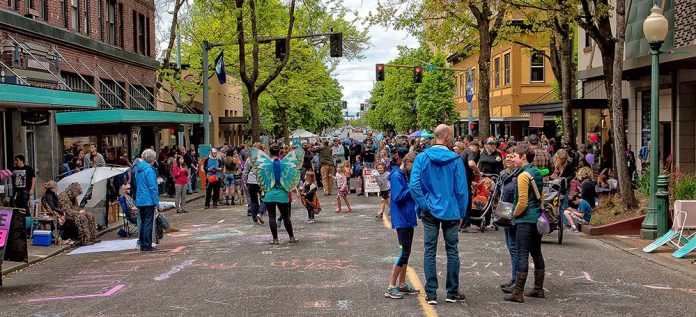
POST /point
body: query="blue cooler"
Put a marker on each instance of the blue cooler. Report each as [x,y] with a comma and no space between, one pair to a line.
[41,238]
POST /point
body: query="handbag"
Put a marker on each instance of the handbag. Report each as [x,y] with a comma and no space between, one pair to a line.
[212,179]
[543,226]
[503,214]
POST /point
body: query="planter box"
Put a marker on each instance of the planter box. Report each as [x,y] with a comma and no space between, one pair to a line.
[629,226]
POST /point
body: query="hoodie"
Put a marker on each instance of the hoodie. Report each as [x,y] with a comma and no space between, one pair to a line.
[438,183]
[402,208]
[147,193]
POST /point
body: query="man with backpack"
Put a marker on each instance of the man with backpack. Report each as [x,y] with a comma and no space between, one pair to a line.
[213,171]
[230,170]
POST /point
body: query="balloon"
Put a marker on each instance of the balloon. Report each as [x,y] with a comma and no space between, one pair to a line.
[590,159]
[594,137]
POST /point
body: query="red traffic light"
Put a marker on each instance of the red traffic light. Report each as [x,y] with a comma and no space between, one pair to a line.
[417,74]
[471,126]
[379,72]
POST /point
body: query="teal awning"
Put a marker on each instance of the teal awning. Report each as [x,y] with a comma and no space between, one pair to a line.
[125,116]
[35,97]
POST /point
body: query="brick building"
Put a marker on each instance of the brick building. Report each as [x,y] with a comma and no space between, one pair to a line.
[97,60]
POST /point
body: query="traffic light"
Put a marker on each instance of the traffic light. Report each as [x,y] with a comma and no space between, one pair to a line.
[362,107]
[280,48]
[417,74]
[345,104]
[336,44]
[379,69]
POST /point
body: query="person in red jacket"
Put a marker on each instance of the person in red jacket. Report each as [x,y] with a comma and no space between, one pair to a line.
[180,173]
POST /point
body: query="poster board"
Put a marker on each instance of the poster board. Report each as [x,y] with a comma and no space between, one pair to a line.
[370,181]
[5,219]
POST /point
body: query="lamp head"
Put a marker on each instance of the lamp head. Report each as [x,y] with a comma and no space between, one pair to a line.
[655,26]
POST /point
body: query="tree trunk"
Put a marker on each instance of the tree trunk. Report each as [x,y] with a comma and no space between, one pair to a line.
[255,119]
[567,83]
[625,185]
[284,123]
[484,82]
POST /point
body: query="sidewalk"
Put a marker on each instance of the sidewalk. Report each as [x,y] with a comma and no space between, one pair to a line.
[40,253]
[662,256]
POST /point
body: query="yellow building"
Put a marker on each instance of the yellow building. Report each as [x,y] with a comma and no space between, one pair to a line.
[518,75]
[226,111]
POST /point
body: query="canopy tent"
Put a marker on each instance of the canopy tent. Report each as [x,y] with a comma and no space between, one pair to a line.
[302,134]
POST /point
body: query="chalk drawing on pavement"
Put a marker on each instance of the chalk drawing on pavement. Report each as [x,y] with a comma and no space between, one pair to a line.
[174,270]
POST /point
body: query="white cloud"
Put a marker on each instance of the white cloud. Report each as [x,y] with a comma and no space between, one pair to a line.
[357,77]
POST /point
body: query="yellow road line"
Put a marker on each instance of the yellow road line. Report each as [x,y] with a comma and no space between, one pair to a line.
[428,310]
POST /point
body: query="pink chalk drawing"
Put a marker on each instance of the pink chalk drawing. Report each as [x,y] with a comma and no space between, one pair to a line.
[108,293]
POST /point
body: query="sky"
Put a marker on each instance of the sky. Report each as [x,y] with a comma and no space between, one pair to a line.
[358,77]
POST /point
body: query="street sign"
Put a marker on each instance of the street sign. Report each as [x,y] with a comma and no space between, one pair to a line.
[430,67]
[469,85]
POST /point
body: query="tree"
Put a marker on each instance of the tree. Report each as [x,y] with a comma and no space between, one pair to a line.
[435,97]
[595,18]
[450,26]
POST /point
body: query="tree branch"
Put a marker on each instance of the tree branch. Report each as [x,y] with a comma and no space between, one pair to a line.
[239,4]
[280,67]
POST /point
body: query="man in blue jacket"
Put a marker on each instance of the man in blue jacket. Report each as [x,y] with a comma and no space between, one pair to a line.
[438,186]
[146,198]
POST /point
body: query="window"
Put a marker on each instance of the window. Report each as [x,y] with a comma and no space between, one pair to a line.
[12,4]
[87,20]
[111,21]
[75,14]
[497,71]
[111,92]
[506,65]
[135,31]
[588,39]
[76,83]
[100,19]
[43,9]
[537,67]
[141,33]
[147,36]
[140,98]
[121,25]
[64,4]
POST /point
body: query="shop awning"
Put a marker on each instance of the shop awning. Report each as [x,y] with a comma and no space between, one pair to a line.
[125,116]
[557,106]
[21,96]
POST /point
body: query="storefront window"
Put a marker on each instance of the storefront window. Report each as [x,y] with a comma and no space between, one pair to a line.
[74,144]
[110,145]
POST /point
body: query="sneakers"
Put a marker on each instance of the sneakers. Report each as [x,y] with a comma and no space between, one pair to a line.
[259,219]
[455,298]
[408,289]
[431,301]
[575,230]
[393,293]
[311,221]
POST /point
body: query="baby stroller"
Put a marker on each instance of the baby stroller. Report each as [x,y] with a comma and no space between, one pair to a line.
[485,192]
[554,192]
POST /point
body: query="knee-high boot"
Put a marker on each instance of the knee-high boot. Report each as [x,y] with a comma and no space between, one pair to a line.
[518,290]
[538,290]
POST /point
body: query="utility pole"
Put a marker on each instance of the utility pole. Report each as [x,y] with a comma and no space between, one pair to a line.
[206,103]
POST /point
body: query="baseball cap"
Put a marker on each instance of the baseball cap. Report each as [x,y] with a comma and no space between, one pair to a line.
[490,142]
[214,150]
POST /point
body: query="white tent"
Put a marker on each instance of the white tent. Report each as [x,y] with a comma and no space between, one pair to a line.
[302,134]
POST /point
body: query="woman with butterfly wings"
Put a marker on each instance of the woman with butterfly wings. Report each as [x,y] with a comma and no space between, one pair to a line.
[277,178]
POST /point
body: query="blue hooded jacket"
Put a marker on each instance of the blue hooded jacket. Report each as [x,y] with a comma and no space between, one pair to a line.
[402,206]
[438,183]
[147,193]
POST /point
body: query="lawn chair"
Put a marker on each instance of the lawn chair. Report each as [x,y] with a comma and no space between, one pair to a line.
[130,224]
[42,219]
[684,220]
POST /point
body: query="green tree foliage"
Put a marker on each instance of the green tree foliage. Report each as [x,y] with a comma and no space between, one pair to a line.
[436,97]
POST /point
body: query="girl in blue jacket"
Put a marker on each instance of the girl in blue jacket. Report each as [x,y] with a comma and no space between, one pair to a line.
[403,219]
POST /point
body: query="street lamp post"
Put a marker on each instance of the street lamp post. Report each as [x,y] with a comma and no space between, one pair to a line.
[655,28]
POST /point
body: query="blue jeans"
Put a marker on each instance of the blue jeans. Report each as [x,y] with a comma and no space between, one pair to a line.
[528,243]
[146,215]
[431,230]
[253,190]
[511,242]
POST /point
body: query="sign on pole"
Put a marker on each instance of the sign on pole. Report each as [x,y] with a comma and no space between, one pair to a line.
[370,181]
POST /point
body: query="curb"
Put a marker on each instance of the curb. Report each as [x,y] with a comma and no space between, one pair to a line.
[64,248]
[685,268]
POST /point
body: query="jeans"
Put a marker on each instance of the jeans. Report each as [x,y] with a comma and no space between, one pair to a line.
[467,221]
[431,230]
[22,199]
[511,242]
[253,190]
[528,242]
[194,179]
[284,209]
[145,215]
[180,201]
[213,189]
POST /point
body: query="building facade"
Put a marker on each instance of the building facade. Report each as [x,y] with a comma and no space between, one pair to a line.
[102,51]
[518,75]
[677,80]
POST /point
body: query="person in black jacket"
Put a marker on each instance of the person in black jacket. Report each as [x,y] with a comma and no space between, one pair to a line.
[355,150]
[51,205]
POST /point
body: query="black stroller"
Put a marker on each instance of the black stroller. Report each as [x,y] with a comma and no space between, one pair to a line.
[485,194]
[554,193]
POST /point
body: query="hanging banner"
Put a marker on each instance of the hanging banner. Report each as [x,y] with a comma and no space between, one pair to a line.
[34,118]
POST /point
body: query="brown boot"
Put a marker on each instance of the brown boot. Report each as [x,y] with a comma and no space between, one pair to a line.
[538,290]
[171,229]
[518,290]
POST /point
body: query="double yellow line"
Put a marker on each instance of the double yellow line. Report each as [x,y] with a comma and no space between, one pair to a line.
[428,310]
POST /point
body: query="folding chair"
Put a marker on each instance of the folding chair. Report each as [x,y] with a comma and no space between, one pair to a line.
[130,224]
[42,219]
[684,219]
[687,216]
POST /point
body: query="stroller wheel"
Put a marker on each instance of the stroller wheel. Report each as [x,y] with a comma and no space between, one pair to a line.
[496,227]
[482,226]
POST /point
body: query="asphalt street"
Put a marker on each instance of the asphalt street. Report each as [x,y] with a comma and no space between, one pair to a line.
[219,264]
